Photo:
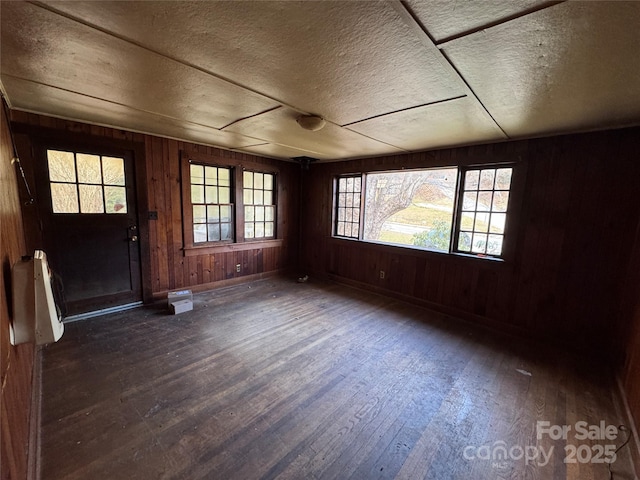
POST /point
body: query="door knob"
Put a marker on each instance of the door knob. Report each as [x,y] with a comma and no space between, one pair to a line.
[134,238]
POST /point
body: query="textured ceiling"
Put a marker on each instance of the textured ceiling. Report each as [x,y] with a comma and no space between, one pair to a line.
[389,77]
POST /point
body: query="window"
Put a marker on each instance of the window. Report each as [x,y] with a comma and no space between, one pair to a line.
[83,183]
[348,206]
[483,212]
[211,203]
[412,207]
[259,205]
[462,210]
[227,205]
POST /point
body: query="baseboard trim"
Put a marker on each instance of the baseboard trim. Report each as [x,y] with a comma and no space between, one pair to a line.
[205,287]
[461,315]
[35,415]
[634,443]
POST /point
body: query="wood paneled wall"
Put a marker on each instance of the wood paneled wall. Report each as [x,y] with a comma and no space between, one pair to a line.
[164,263]
[568,282]
[16,363]
[170,268]
[574,230]
[630,340]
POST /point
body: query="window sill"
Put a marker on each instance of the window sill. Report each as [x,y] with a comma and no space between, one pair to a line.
[421,252]
[231,247]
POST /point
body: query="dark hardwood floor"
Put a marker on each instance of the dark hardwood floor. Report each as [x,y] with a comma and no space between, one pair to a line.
[277,379]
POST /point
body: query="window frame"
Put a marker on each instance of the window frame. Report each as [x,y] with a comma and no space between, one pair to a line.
[458,211]
[516,188]
[231,204]
[239,242]
[335,222]
[274,204]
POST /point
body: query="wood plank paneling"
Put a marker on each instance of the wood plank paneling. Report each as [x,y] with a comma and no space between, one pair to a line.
[571,239]
[629,341]
[168,268]
[16,363]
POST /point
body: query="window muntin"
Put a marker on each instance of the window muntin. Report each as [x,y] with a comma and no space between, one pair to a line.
[84,183]
[483,210]
[349,194]
[211,203]
[258,194]
[415,208]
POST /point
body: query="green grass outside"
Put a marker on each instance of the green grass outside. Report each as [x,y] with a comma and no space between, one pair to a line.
[396,237]
[423,216]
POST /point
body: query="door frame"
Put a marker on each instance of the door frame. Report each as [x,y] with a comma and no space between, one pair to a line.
[33,141]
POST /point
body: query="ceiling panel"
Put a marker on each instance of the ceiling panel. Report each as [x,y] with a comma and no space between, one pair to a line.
[346,61]
[279,127]
[572,66]
[177,68]
[447,18]
[48,48]
[282,151]
[61,103]
[455,122]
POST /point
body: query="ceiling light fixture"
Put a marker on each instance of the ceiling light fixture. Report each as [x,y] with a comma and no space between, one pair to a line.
[311,122]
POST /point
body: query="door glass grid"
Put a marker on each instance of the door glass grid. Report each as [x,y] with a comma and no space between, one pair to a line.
[84,183]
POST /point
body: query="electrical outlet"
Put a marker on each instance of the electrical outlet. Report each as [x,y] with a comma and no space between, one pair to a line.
[381,274]
[238,268]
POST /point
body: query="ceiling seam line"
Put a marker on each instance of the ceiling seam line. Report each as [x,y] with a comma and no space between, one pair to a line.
[135,109]
[110,101]
[168,57]
[151,134]
[412,22]
[502,21]
[444,55]
[436,102]
[379,141]
[251,116]
[262,140]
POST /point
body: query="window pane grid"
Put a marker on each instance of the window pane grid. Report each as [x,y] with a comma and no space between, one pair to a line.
[211,203]
[84,183]
[419,208]
[483,213]
[259,205]
[348,207]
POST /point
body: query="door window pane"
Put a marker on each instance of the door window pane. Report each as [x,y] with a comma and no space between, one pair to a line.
[113,170]
[86,183]
[115,199]
[62,167]
[91,199]
[64,198]
[89,170]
